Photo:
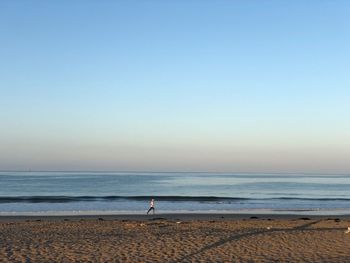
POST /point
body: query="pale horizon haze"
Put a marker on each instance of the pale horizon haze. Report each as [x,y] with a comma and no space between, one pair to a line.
[217,86]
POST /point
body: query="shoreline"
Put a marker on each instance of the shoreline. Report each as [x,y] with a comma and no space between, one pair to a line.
[172,217]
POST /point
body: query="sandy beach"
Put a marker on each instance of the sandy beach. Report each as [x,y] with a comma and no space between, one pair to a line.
[175,238]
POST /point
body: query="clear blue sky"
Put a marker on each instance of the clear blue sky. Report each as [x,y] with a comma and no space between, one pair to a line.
[175,85]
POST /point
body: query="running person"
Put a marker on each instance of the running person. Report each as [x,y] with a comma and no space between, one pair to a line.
[151,206]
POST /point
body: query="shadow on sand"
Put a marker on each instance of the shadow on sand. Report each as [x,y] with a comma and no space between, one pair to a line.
[221,242]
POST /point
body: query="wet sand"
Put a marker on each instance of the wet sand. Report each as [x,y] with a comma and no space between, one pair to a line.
[175,238]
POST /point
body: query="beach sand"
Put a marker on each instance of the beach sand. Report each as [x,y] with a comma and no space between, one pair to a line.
[175,238]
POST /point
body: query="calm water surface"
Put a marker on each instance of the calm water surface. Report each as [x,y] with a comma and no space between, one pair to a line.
[126,192]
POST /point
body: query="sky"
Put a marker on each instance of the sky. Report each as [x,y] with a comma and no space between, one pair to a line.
[195,85]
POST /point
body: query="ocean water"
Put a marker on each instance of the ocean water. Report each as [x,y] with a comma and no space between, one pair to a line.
[54,193]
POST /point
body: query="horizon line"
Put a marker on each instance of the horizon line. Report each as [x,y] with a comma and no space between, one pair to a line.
[148,171]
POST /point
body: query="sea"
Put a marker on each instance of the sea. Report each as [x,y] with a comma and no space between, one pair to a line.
[95,193]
